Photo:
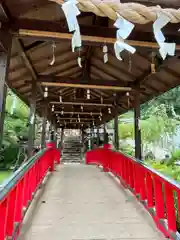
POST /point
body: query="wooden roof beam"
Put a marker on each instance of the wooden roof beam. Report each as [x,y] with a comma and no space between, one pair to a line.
[82,83]
[44,30]
[27,62]
[82,103]
[79,113]
[72,118]
[74,122]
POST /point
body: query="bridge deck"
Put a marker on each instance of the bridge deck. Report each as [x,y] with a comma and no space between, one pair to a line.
[81,202]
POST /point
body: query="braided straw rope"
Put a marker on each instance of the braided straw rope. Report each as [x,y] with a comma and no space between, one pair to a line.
[133,12]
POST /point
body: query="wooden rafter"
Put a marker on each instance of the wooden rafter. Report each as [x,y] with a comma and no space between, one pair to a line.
[79,113]
[83,103]
[81,83]
[51,30]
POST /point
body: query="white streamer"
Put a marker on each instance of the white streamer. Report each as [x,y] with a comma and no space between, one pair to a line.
[79,62]
[125,28]
[105,51]
[71,12]
[165,48]
[53,58]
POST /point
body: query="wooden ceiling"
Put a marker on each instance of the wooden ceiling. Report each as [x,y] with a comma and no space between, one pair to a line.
[31,57]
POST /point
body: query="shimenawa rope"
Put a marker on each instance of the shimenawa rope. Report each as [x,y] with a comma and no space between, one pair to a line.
[133,12]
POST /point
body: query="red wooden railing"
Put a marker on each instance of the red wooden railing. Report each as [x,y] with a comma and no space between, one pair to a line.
[159,194]
[18,191]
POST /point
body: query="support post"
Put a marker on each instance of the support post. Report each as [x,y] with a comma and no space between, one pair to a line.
[44,122]
[104,132]
[98,139]
[116,133]
[4,66]
[92,137]
[50,131]
[62,134]
[106,138]
[31,134]
[138,153]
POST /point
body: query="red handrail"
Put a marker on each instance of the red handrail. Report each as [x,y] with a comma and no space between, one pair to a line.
[159,194]
[17,192]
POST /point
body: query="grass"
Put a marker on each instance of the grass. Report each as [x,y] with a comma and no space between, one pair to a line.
[4,175]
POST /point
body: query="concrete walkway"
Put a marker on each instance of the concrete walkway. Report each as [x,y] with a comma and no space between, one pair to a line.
[81,202]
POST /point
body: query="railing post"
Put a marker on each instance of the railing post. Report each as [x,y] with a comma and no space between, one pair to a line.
[3,218]
[11,212]
[170,207]
[159,200]
[52,156]
[149,190]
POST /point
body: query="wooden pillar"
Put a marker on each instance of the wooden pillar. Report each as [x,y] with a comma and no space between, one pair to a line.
[104,132]
[4,66]
[138,153]
[98,139]
[116,133]
[44,122]
[106,137]
[50,130]
[62,134]
[82,134]
[31,134]
[92,137]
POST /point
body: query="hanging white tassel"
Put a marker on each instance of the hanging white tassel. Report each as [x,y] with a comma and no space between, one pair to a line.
[53,58]
[13,104]
[71,12]
[79,62]
[105,51]
[124,29]
[46,92]
[165,48]
[52,109]
[88,94]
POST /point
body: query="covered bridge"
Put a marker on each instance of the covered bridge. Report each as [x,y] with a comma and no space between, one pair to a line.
[63,59]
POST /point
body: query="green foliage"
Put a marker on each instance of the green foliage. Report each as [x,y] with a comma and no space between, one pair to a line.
[15,126]
[127,149]
[176,155]
[126,131]
[4,175]
[168,167]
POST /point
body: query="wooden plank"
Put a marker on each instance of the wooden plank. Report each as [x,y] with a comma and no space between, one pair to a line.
[82,103]
[27,61]
[82,119]
[85,86]
[83,81]
[87,38]
[79,113]
[53,29]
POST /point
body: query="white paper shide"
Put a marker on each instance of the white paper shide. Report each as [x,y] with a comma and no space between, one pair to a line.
[165,48]
[71,12]
[124,29]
